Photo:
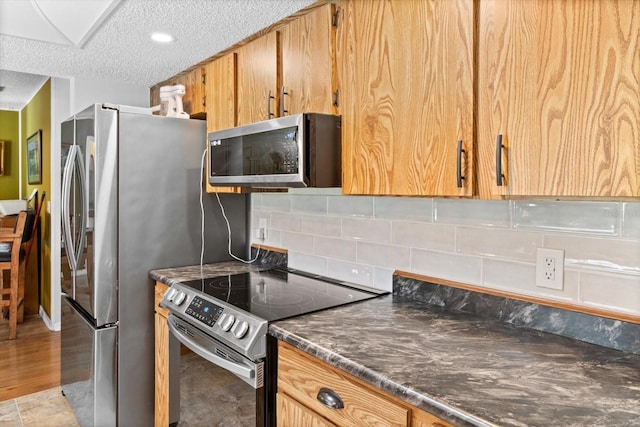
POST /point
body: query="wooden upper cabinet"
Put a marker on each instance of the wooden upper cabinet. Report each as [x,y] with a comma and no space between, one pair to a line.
[220,93]
[193,101]
[258,79]
[154,96]
[221,99]
[559,80]
[406,96]
[308,64]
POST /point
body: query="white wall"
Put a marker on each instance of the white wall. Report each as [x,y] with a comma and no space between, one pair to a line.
[68,96]
[488,243]
[88,91]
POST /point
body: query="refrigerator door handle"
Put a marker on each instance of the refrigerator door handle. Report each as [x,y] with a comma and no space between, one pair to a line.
[66,200]
[84,208]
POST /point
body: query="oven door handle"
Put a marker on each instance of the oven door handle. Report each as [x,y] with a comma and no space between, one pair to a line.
[247,374]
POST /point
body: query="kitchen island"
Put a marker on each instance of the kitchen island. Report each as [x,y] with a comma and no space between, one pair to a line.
[468,369]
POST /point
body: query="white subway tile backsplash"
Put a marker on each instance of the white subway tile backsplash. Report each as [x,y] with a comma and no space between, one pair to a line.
[309,203]
[297,242]
[371,230]
[631,220]
[364,239]
[309,263]
[498,242]
[613,292]
[520,277]
[489,213]
[286,221]
[382,255]
[446,265]
[350,206]
[332,191]
[609,254]
[573,217]
[273,239]
[322,225]
[383,278]
[404,208]
[350,272]
[335,248]
[424,235]
[256,201]
[279,202]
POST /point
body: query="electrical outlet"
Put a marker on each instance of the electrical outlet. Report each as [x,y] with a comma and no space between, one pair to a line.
[550,268]
[262,228]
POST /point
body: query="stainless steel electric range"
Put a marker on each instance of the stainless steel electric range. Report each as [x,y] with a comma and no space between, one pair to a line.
[224,321]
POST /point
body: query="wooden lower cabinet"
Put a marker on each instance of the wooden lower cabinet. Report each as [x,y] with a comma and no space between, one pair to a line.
[302,378]
[292,413]
[161,360]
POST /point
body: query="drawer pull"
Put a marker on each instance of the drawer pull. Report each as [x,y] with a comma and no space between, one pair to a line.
[329,398]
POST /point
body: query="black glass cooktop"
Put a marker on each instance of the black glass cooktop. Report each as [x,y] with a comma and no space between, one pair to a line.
[278,294]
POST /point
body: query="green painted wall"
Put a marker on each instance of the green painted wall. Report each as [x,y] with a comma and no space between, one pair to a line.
[36,115]
[9,182]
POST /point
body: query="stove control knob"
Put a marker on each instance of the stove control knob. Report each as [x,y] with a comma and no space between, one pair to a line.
[227,322]
[170,294]
[179,298]
[240,329]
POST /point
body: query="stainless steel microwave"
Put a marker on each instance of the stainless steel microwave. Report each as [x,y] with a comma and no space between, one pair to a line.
[302,150]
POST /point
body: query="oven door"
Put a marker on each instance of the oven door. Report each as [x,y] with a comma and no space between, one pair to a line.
[218,386]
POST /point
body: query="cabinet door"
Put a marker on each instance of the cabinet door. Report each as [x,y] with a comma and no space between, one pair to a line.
[558,79]
[193,101]
[257,79]
[293,414]
[154,96]
[221,103]
[308,74]
[220,92]
[407,96]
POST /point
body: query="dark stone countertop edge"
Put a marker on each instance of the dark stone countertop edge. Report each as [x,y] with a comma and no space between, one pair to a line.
[379,381]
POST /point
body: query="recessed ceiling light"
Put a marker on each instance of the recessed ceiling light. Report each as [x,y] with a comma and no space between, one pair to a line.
[162,37]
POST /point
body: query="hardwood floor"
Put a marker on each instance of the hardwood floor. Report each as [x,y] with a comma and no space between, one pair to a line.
[30,363]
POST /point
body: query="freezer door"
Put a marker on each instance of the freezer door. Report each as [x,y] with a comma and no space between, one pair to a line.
[88,368]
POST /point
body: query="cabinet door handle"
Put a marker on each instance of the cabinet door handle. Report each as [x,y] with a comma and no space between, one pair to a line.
[330,398]
[499,174]
[269,98]
[459,175]
[282,109]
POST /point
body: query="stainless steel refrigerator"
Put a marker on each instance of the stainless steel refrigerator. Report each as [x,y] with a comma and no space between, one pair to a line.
[130,204]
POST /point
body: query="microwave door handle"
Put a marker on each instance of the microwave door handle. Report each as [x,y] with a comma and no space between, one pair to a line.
[242,371]
[66,200]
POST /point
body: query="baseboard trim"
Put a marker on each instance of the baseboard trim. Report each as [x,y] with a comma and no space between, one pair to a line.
[47,321]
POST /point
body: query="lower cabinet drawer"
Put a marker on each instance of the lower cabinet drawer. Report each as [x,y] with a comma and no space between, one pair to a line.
[333,394]
[293,414]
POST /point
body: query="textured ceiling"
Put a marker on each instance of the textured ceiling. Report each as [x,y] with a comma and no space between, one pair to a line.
[121,49]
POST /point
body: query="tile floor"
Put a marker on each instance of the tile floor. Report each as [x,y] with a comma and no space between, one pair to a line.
[47,408]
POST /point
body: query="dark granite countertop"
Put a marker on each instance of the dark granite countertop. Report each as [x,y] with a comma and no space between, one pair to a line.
[464,368]
[469,370]
[169,276]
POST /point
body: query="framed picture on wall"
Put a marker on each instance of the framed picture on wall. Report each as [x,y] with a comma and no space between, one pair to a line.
[34,158]
[2,167]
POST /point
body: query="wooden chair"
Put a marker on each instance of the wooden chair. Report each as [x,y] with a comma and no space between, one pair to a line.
[10,260]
